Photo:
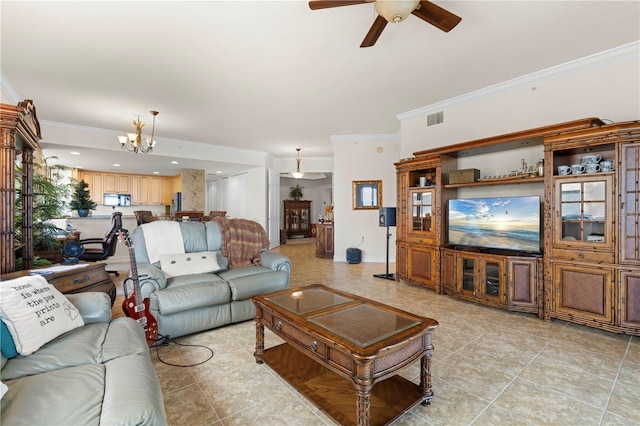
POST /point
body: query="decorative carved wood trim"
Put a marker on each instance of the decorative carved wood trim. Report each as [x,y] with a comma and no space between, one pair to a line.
[17,120]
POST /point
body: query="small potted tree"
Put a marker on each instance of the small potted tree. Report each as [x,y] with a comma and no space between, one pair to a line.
[81,199]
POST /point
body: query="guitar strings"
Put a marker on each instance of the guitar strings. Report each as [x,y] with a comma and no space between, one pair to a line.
[164,341]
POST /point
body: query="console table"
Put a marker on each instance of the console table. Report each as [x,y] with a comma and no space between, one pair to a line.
[75,278]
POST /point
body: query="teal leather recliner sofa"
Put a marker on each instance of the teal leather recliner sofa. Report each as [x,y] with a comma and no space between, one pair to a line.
[202,275]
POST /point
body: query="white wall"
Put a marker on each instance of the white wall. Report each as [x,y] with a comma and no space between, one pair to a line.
[363,157]
[243,195]
[606,85]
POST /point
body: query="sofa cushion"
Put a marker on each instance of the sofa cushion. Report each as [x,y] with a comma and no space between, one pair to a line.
[189,263]
[181,296]
[71,396]
[90,344]
[242,271]
[35,312]
[247,286]
[132,399]
[193,236]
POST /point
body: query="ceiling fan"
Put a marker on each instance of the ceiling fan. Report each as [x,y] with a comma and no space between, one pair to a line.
[396,11]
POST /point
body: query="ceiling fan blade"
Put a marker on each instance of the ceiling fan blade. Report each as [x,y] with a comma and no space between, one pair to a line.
[374,32]
[325,4]
[437,16]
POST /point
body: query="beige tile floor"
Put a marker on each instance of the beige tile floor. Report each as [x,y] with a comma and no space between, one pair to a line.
[490,367]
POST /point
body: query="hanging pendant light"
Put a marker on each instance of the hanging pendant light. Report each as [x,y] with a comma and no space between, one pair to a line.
[134,140]
[298,174]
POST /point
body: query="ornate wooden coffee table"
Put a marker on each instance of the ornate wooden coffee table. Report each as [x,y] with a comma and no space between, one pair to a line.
[332,336]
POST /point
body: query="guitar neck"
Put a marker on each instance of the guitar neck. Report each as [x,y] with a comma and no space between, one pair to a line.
[134,276]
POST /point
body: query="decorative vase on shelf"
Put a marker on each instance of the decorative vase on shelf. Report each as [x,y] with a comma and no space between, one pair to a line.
[83,212]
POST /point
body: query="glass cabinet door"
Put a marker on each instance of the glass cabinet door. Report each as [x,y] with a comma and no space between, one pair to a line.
[304,219]
[468,282]
[492,278]
[293,220]
[421,210]
[583,209]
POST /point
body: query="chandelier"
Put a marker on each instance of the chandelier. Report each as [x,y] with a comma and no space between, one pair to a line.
[298,174]
[135,139]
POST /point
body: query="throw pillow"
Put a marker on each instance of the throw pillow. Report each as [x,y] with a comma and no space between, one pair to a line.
[189,263]
[35,312]
[7,346]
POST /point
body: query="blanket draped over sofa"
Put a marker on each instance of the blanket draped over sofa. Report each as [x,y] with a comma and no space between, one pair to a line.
[242,241]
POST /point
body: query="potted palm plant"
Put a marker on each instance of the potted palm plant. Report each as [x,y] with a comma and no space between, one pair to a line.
[49,202]
[295,192]
[81,199]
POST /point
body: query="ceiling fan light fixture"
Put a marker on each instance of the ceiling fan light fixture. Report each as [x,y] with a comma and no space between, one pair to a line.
[297,174]
[395,11]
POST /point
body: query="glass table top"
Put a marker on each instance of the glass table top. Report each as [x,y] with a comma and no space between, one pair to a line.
[304,301]
[357,322]
[364,325]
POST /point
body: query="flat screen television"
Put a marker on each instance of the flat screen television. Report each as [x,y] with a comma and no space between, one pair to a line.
[503,223]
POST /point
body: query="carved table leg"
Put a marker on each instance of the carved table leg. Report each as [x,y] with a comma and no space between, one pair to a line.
[259,343]
[363,405]
[425,372]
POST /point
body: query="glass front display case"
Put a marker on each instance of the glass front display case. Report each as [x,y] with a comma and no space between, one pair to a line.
[583,208]
[422,210]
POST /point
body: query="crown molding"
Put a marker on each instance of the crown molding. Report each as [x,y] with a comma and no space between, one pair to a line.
[8,90]
[626,50]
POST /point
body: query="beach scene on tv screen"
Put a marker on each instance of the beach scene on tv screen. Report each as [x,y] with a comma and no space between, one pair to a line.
[511,223]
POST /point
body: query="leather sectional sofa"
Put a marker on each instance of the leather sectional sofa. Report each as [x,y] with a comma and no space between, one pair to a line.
[202,275]
[97,374]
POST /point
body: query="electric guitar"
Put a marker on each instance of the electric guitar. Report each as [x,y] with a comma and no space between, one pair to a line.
[133,305]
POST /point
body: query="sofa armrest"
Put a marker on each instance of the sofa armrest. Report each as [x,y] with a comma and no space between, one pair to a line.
[93,306]
[275,261]
[151,279]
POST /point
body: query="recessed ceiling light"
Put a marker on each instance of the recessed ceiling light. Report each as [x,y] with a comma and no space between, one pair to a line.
[116,165]
[174,162]
[218,171]
[156,173]
[74,153]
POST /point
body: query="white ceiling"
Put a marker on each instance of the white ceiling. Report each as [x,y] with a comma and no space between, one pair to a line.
[264,77]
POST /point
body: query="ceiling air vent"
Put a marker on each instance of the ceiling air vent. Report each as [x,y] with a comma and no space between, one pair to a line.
[435,118]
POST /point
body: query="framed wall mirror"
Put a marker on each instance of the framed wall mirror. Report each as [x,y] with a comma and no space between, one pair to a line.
[367,194]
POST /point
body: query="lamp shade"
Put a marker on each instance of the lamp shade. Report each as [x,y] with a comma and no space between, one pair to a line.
[395,11]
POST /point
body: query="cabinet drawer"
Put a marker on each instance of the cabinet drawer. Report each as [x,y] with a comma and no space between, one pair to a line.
[79,279]
[583,255]
[311,344]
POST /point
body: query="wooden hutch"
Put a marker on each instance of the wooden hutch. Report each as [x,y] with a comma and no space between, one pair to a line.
[20,133]
[297,218]
[589,272]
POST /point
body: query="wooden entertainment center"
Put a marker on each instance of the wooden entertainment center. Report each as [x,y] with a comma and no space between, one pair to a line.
[588,271]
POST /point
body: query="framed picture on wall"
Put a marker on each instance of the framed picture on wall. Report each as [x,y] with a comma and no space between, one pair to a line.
[367,194]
